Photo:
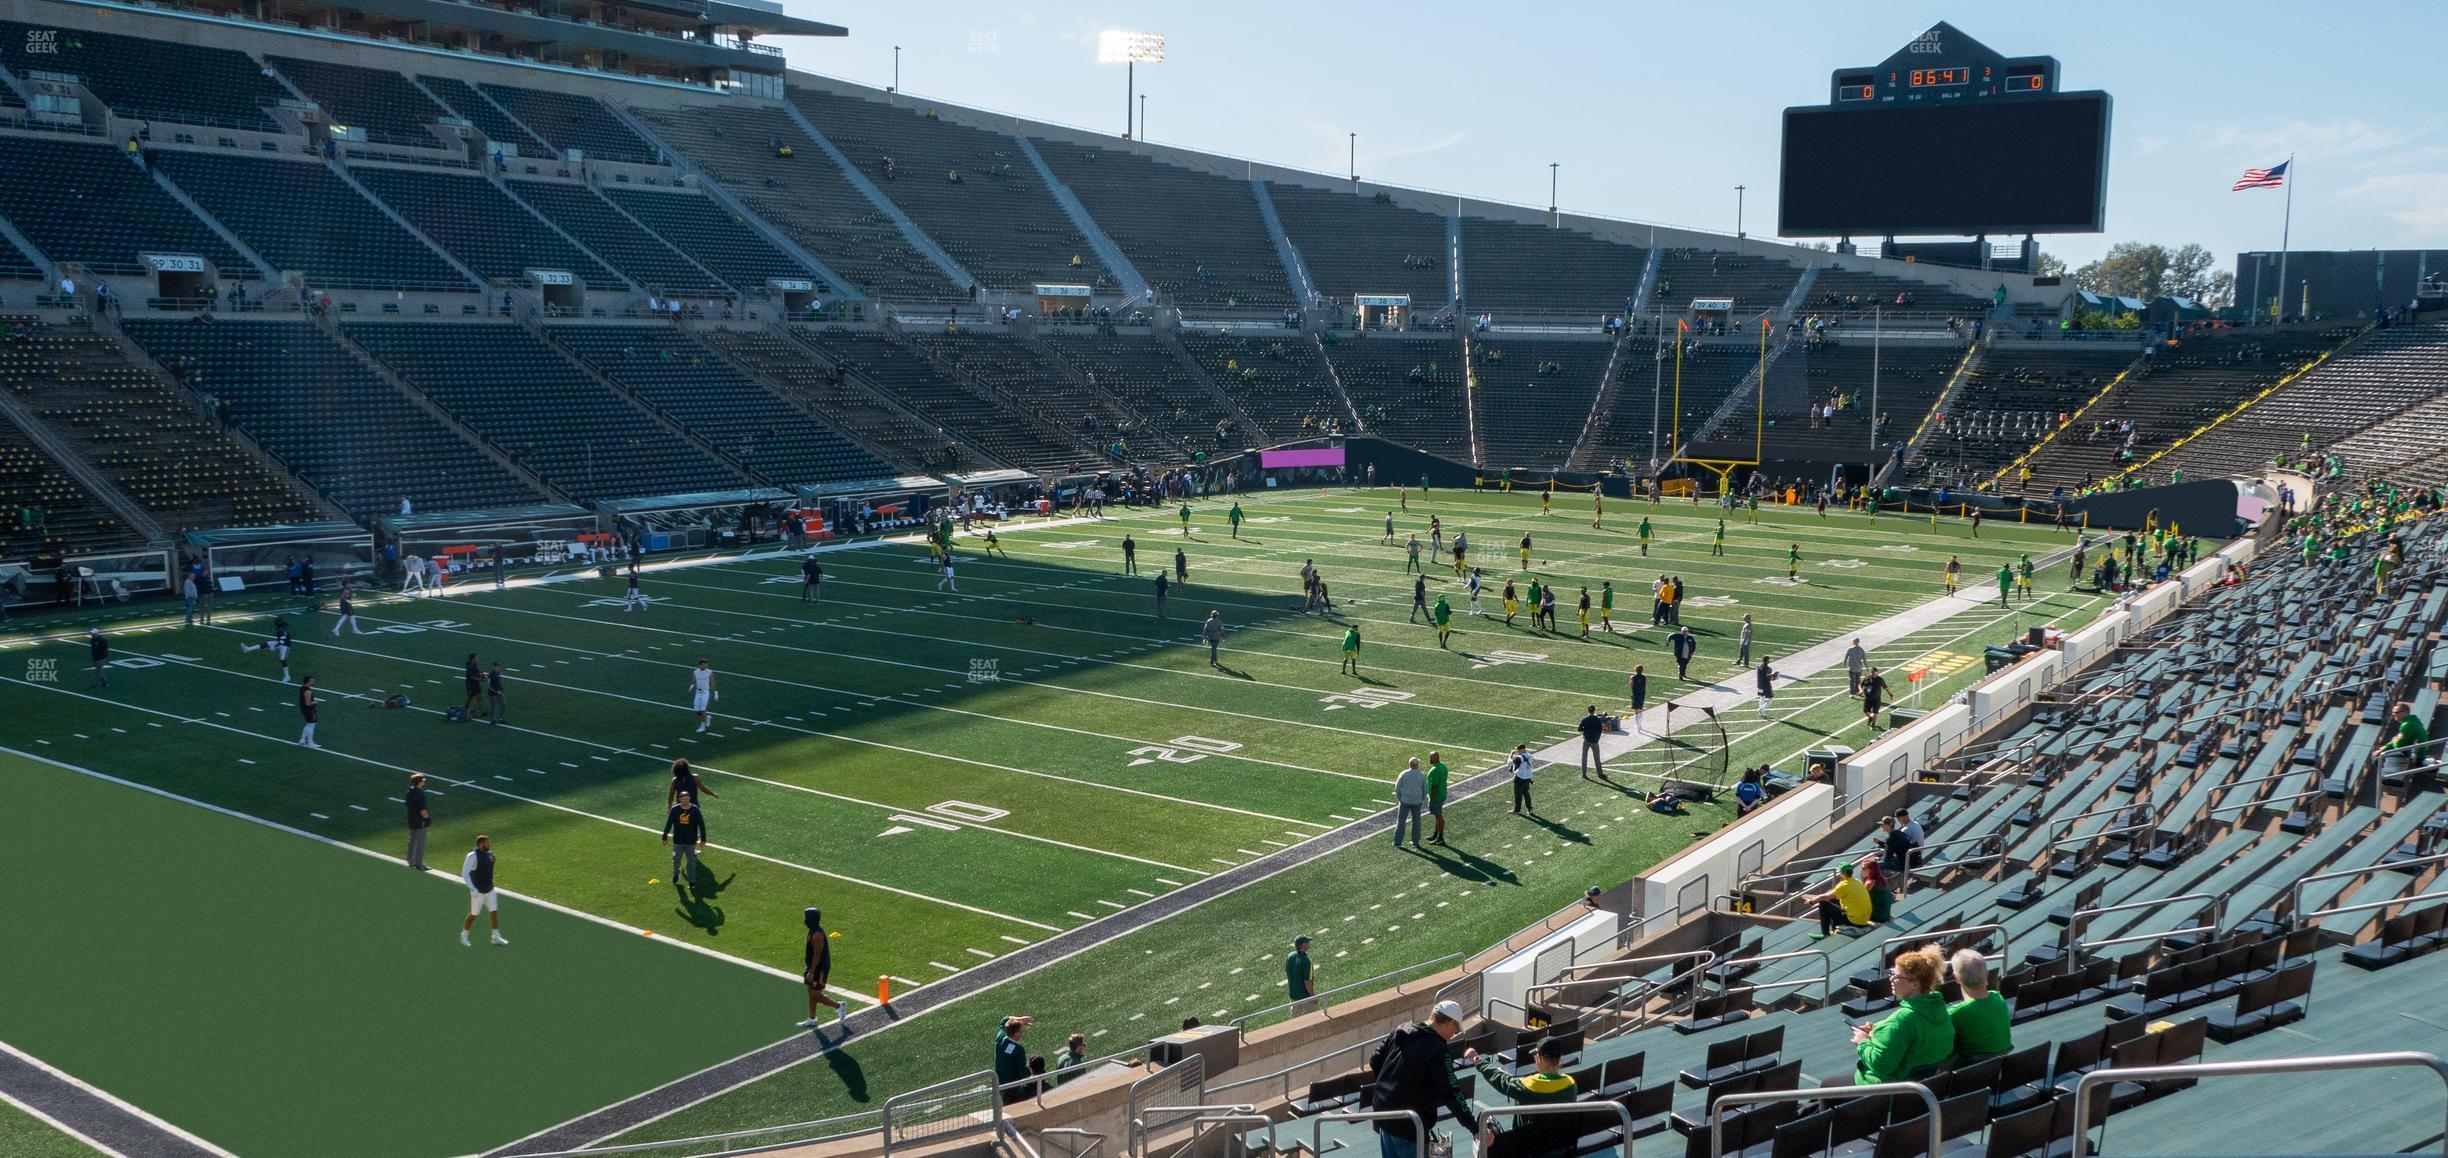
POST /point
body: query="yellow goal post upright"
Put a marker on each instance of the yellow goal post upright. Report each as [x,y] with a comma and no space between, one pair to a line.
[1723,468]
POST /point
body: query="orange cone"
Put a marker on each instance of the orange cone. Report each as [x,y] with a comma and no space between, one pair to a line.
[883,990]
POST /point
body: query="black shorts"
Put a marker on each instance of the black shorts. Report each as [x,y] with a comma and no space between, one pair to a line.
[816,980]
[475,687]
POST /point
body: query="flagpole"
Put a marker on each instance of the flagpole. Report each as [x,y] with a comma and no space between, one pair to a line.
[2285,229]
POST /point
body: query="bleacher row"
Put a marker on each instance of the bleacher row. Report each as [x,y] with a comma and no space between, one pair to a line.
[1197,236]
[2200,843]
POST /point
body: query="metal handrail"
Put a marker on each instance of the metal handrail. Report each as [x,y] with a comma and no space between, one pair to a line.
[2050,853]
[2295,891]
[1419,1129]
[2280,1065]
[1827,969]
[1198,1128]
[2005,938]
[1673,980]
[1241,1024]
[2359,906]
[1623,1115]
[1530,995]
[2251,804]
[1009,1134]
[671,1143]
[2075,922]
[1097,1143]
[2061,822]
[1138,1125]
[1717,1110]
[1285,1074]
[1624,995]
[1821,864]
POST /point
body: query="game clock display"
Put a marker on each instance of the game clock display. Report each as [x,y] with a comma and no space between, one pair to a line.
[1938,77]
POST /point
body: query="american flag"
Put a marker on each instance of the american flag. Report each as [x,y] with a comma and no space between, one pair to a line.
[2270,178]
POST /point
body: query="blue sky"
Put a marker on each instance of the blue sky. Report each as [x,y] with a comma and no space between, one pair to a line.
[1657,111]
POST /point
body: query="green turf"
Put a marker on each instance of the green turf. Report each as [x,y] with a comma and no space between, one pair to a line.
[22,1135]
[277,995]
[842,725]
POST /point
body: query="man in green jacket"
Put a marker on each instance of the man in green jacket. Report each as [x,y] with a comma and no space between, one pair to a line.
[1915,1039]
[1011,1059]
[1438,778]
[1299,976]
[1531,1135]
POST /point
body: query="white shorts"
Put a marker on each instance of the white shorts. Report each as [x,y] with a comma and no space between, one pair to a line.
[483,902]
[698,701]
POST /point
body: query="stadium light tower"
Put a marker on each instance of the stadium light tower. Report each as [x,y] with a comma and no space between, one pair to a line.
[1127,49]
[896,69]
[1555,219]
[1738,211]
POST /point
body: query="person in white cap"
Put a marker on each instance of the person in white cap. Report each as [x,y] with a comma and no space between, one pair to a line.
[1414,1072]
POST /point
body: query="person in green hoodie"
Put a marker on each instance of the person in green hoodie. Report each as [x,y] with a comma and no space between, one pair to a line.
[1918,1037]
[1984,1026]
[1531,1135]
[1438,779]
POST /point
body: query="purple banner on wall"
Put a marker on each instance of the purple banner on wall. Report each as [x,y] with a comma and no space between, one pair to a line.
[1273,459]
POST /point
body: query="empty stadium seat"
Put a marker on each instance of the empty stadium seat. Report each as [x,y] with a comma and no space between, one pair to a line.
[332,421]
[830,391]
[84,202]
[695,225]
[570,121]
[969,189]
[388,106]
[474,221]
[672,372]
[301,216]
[1281,381]
[1535,397]
[938,390]
[152,440]
[149,79]
[1512,267]
[489,119]
[804,195]
[1196,237]
[1355,244]
[557,422]
[656,267]
[1408,390]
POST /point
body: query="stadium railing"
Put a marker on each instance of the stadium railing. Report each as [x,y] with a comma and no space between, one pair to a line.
[1317,1127]
[1634,965]
[1719,1107]
[2083,1087]
[2213,920]
[1319,1000]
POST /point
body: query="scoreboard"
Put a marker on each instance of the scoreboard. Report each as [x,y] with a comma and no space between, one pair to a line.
[1946,137]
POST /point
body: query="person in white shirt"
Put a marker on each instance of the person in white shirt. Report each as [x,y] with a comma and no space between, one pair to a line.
[1474,592]
[412,575]
[701,693]
[406,509]
[1525,770]
[477,873]
[946,583]
[433,576]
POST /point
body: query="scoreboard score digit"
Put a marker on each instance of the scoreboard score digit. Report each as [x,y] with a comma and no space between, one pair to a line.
[1938,77]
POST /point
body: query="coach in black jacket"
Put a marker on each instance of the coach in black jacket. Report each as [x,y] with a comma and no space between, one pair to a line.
[1415,1073]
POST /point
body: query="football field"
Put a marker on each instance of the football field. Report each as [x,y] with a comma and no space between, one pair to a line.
[953,776]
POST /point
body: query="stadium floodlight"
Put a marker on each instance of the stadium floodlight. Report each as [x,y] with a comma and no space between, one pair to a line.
[1115,46]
